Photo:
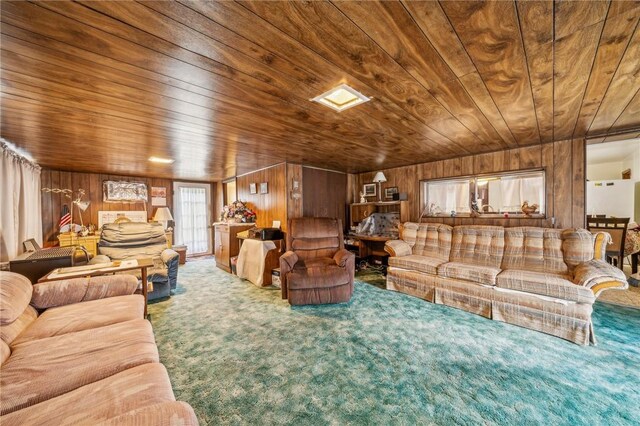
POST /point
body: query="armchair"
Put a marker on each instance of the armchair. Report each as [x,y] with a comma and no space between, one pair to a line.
[122,241]
[316,269]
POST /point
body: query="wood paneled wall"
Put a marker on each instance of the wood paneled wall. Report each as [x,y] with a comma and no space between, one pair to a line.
[271,206]
[563,161]
[325,193]
[92,184]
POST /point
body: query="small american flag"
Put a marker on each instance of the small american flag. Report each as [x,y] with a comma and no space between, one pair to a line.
[65,216]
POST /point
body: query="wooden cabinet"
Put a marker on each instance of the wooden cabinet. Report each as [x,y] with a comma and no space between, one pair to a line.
[90,242]
[226,242]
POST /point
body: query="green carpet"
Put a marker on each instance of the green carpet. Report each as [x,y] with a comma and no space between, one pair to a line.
[241,355]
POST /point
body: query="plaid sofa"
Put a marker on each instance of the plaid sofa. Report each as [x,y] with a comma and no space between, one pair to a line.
[538,278]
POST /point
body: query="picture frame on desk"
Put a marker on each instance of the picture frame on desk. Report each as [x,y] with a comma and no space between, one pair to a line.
[388,192]
[369,189]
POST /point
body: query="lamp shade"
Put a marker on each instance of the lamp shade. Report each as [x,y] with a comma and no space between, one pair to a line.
[162,214]
[379,177]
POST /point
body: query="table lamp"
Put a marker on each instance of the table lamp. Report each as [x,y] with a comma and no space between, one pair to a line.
[379,178]
[163,215]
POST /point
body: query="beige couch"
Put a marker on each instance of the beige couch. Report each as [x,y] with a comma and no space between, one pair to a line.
[79,351]
[538,278]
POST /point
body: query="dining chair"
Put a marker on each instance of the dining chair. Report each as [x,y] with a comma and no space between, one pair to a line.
[617,228]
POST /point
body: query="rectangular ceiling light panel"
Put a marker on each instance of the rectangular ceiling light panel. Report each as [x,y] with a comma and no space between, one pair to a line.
[341,97]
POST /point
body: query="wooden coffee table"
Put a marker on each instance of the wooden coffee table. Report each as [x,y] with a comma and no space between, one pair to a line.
[103,269]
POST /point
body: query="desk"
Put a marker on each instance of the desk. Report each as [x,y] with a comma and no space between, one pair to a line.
[90,242]
[257,258]
[103,269]
[370,245]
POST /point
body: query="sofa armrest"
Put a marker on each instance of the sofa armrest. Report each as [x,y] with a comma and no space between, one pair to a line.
[397,248]
[66,292]
[342,256]
[598,276]
[287,262]
[171,259]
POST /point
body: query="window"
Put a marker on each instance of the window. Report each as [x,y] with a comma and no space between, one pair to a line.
[192,207]
[446,196]
[486,194]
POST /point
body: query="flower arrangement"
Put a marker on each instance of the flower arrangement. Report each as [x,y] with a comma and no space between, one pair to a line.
[238,212]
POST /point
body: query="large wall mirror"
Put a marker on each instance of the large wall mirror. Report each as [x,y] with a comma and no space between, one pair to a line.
[517,194]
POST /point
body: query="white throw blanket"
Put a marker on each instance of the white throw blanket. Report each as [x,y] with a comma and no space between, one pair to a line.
[251,259]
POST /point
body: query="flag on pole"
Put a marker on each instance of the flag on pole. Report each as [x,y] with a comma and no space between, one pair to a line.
[65,217]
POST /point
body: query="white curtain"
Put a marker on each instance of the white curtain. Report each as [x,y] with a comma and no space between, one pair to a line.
[192,227]
[516,191]
[20,212]
[450,196]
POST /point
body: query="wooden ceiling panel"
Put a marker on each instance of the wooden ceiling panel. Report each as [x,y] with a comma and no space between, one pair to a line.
[224,87]
[536,24]
[491,35]
[622,19]
[573,60]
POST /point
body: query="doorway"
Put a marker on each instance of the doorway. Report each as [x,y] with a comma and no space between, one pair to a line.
[192,208]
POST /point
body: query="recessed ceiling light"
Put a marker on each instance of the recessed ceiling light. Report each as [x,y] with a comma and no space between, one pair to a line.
[341,97]
[161,160]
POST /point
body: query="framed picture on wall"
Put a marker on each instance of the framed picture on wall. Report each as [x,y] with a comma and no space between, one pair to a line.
[369,189]
[264,188]
[388,192]
[252,188]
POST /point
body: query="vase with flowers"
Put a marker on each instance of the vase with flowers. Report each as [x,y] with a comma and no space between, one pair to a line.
[237,212]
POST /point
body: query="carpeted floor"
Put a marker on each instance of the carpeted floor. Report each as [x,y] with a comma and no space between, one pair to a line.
[241,355]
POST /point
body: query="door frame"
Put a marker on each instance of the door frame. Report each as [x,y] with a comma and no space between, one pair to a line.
[177,212]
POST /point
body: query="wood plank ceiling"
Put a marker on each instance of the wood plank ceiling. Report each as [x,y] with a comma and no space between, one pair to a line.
[224,87]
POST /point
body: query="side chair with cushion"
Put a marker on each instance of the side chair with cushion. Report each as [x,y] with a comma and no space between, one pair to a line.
[316,269]
[617,229]
[138,240]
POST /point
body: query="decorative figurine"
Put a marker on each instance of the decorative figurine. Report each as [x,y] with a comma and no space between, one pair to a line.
[529,209]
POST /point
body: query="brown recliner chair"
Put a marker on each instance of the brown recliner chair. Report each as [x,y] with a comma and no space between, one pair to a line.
[316,269]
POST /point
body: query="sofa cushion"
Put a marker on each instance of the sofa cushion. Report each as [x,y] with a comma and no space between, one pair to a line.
[475,273]
[577,246]
[13,330]
[429,239]
[417,263]
[5,352]
[65,292]
[534,249]
[43,369]
[84,316]
[15,295]
[318,277]
[552,285]
[478,245]
[133,234]
[164,414]
[128,390]
[314,262]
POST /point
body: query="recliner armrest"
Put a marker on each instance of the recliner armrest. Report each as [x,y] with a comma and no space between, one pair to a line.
[167,255]
[397,248]
[342,256]
[598,276]
[66,292]
[287,262]
[290,258]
